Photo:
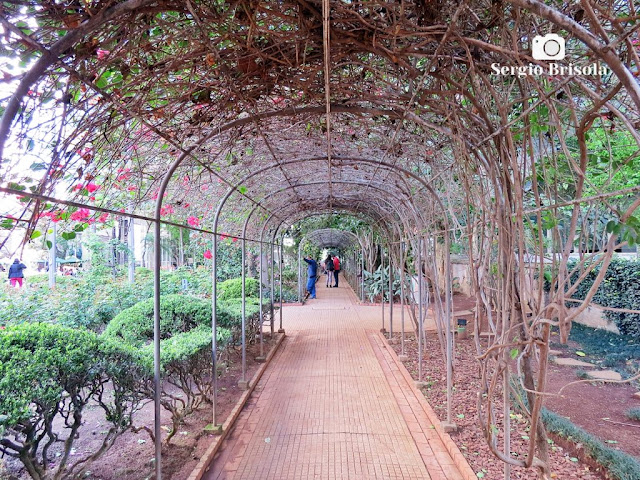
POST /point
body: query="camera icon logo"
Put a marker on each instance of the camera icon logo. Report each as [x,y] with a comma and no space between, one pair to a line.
[547,47]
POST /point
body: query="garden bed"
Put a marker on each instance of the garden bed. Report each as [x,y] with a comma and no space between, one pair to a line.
[132,455]
[565,462]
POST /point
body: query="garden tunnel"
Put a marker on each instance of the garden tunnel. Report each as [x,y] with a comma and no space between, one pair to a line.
[432,122]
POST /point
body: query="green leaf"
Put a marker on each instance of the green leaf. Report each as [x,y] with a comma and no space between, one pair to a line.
[460,415]
[581,354]
[242,189]
[69,235]
[36,234]
[573,459]
[513,353]
[480,474]
[49,244]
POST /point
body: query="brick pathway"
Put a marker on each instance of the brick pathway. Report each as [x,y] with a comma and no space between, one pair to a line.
[333,404]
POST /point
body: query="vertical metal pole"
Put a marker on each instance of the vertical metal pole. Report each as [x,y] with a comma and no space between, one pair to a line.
[382,285]
[390,293]
[52,256]
[448,330]
[244,310]
[362,275]
[280,262]
[300,271]
[272,283]
[132,251]
[402,262]
[157,260]
[214,330]
[420,308]
[261,287]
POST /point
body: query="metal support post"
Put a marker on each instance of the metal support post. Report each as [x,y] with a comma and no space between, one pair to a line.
[243,379]
[157,430]
[383,330]
[402,262]
[280,262]
[52,256]
[390,293]
[420,309]
[214,331]
[132,251]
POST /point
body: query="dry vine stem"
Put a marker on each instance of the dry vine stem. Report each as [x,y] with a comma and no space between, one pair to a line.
[425,135]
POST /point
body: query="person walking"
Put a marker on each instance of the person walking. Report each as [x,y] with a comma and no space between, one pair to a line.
[336,269]
[312,272]
[328,266]
[15,273]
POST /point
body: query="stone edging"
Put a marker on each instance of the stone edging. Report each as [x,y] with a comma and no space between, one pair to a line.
[207,457]
[461,462]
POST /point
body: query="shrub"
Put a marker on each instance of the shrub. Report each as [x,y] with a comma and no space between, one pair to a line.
[185,348]
[232,288]
[619,465]
[185,360]
[48,375]
[620,288]
[178,313]
[633,414]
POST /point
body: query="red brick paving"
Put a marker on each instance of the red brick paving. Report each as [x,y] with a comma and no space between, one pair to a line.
[333,404]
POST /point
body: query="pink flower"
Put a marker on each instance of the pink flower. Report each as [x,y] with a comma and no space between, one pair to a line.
[234,239]
[103,218]
[207,254]
[77,187]
[186,205]
[132,188]
[92,187]
[204,188]
[102,54]
[193,221]
[166,210]
[224,236]
[92,199]
[80,215]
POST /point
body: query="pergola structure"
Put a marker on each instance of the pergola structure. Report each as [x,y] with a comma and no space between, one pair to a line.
[431,120]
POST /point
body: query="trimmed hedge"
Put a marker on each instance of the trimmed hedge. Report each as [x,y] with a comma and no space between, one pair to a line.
[619,465]
[232,288]
[49,372]
[620,288]
[178,314]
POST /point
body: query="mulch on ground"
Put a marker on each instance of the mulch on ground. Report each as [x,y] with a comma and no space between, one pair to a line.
[469,437]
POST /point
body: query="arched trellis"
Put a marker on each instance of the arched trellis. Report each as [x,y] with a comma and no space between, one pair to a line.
[599,44]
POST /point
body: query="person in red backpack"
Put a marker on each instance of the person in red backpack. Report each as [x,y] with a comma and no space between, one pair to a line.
[336,269]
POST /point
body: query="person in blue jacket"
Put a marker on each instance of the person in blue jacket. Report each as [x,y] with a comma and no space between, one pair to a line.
[312,272]
[15,273]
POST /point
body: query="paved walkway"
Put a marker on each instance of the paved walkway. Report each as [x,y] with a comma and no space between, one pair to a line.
[333,404]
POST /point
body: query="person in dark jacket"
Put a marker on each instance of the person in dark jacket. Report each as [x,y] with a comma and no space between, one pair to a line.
[312,271]
[15,273]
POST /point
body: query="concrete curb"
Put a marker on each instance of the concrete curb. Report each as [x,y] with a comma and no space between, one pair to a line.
[460,461]
[205,461]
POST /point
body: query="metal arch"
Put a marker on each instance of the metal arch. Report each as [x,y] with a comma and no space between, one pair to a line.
[388,167]
[303,239]
[403,201]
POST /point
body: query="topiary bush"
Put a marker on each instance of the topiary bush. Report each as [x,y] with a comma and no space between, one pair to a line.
[185,347]
[232,288]
[48,376]
[185,362]
[178,314]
